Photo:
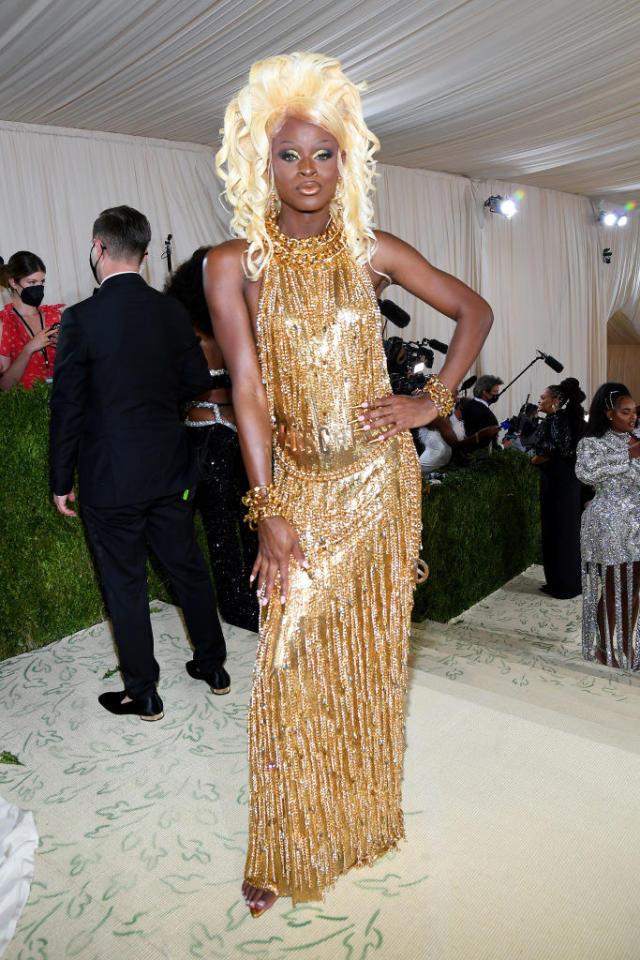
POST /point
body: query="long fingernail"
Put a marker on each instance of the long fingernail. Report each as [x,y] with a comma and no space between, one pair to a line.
[283,600]
[367,426]
[263,601]
[252,578]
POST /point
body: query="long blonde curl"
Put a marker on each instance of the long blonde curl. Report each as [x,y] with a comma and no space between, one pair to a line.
[305,85]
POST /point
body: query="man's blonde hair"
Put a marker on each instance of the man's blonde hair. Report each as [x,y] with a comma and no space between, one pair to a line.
[314,87]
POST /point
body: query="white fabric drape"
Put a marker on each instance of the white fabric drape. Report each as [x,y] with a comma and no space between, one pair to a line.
[54,183]
[542,272]
[545,93]
[18,842]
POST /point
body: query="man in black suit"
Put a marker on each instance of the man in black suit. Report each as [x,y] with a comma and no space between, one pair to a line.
[127,357]
[476,414]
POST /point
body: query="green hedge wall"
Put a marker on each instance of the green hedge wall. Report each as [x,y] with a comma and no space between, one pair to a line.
[48,585]
[480,528]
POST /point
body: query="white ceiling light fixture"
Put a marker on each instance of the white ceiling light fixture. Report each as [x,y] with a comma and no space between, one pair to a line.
[505,206]
[609,218]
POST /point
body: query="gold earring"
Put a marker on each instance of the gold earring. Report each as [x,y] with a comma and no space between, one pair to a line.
[273,205]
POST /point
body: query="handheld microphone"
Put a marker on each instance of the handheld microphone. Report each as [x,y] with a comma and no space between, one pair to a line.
[469,382]
[393,312]
[551,361]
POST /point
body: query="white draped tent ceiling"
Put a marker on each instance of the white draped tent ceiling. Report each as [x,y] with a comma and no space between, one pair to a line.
[502,95]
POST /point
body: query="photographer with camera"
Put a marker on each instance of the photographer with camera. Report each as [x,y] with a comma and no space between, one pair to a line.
[29,327]
[521,429]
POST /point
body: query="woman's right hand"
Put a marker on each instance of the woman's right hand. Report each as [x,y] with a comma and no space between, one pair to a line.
[278,542]
[634,447]
[43,338]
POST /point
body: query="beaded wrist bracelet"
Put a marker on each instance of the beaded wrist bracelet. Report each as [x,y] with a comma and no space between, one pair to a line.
[262,503]
[440,396]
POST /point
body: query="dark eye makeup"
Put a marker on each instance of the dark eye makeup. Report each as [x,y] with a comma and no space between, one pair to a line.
[289,155]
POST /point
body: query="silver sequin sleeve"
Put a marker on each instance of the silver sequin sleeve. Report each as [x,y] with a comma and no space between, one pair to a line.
[611,522]
[599,459]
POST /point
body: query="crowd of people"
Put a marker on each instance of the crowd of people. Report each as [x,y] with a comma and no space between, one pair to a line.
[589,498]
[264,388]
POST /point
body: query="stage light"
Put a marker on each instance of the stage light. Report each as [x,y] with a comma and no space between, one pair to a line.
[505,206]
[609,218]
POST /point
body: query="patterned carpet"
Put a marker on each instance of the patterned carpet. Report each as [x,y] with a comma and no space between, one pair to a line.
[521,786]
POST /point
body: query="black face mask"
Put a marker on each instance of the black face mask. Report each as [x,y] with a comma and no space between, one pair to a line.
[492,400]
[33,296]
[94,266]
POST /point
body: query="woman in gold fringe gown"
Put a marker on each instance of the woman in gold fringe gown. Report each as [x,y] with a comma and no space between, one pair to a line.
[334,473]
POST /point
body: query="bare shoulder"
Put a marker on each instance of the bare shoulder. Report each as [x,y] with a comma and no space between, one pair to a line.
[388,248]
[389,253]
[226,257]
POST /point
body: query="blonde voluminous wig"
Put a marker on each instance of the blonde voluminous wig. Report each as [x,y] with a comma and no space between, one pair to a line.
[305,85]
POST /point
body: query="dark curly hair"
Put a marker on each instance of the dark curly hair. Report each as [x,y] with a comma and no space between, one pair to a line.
[570,395]
[605,398]
[185,285]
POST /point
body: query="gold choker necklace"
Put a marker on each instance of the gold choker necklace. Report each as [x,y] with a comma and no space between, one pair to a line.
[301,250]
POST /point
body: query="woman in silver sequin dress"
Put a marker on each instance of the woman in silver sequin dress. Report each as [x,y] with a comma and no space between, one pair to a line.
[607,458]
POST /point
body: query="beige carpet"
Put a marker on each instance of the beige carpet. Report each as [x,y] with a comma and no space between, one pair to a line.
[521,796]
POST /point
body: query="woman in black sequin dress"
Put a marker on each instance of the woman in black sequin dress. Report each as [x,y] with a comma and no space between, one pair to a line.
[561,493]
[223,480]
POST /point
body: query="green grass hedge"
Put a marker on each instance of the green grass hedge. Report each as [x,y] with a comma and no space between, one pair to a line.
[480,528]
[48,585]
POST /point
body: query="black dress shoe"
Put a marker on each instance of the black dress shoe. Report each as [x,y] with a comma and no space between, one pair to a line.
[148,707]
[218,678]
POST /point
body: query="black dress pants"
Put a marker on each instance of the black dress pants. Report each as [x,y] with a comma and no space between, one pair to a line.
[120,536]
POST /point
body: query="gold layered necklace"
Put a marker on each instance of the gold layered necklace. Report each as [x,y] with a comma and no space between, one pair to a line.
[321,247]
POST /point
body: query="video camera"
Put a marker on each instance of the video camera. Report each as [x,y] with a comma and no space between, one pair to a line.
[408,363]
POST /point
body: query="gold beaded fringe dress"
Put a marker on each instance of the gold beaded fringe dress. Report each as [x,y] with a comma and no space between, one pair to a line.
[326,715]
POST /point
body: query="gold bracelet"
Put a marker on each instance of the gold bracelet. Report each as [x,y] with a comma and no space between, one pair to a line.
[440,396]
[262,503]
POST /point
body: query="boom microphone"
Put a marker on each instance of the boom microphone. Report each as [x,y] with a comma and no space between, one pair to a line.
[438,345]
[551,361]
[393,312]
[469,382]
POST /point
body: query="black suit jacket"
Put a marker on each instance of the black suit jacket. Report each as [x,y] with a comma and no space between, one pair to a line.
[126,358]
[476,416]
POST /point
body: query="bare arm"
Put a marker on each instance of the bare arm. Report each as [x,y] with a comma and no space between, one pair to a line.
[446,431]
[226,289]
[472,315]
[443,426]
